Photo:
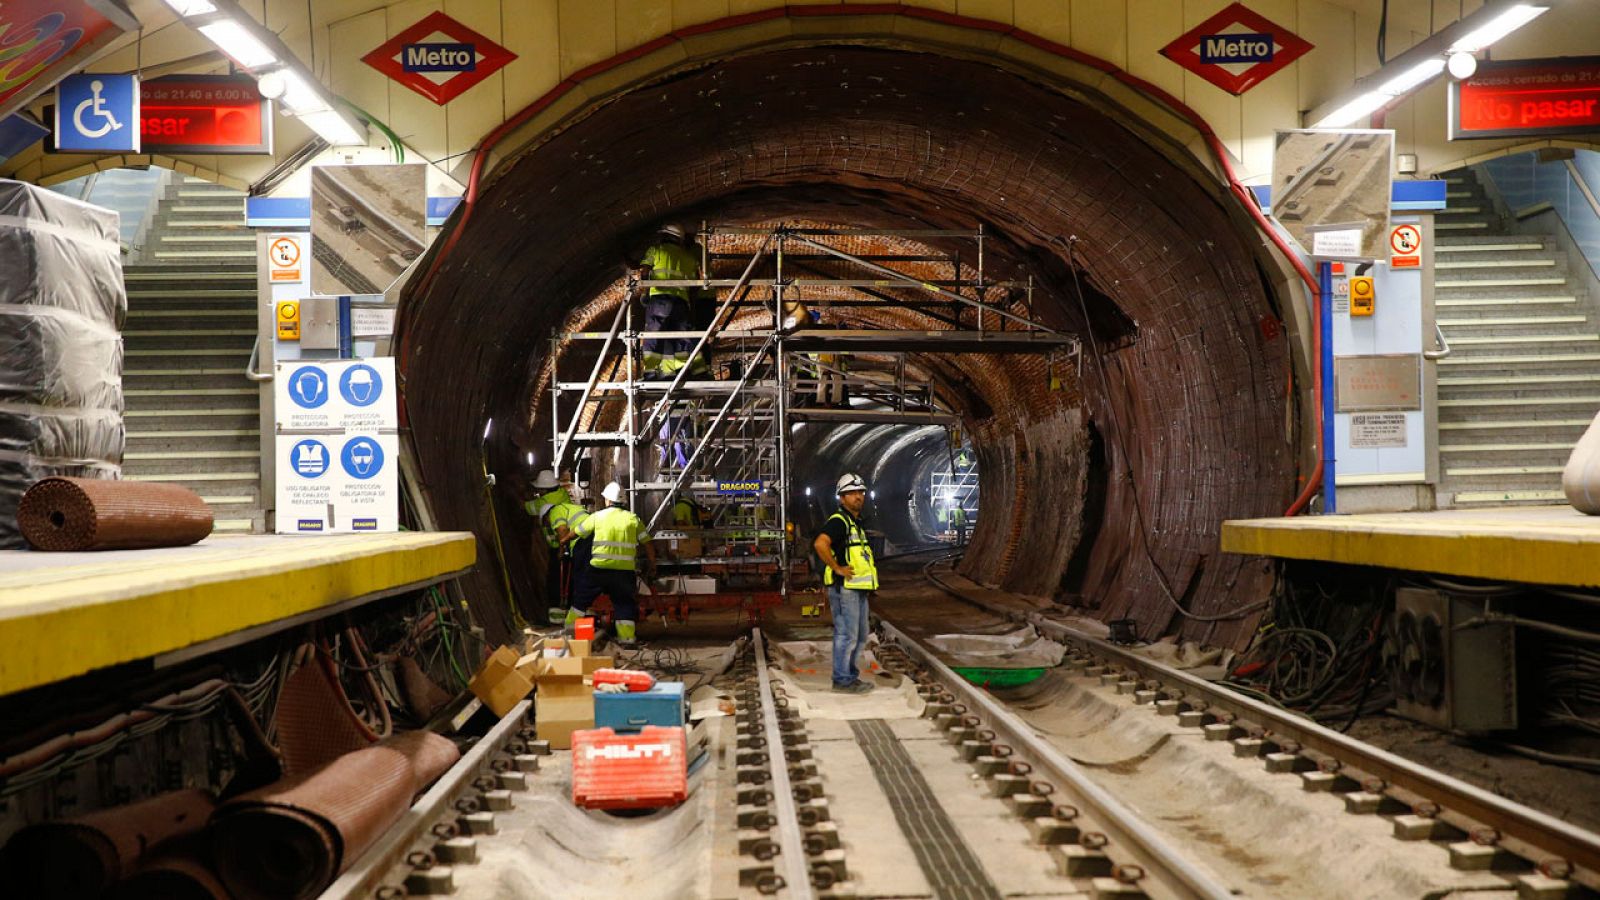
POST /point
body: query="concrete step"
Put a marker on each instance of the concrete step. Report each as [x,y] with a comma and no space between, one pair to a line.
[195,442]
[148,421]
[208,341]
[1451,242]
[1459,247]
[1511,321]
[1556,380]
[1486,362]
[147,294]
[192,277]
[1527,262]
[1462,210]
[1497,281]
[1562,448]
[1454,303]
[239,311]
[228,483]
[189,254]
[206,236]
[211,358]
[1461,226]
[1525,343]
[1486,471]
[1529,405]
[234,526]
[230,500]
[201,466]
[231,323]
[176,399]
[231,380]
[1499,427]
[1508,498]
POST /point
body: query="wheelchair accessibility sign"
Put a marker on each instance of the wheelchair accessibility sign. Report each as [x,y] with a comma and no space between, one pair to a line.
[98,113]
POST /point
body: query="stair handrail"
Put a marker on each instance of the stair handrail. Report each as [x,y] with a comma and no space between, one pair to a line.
[1444,345]
[1583,186]
[250,367]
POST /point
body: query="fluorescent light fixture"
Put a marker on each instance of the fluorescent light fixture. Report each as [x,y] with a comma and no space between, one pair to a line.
[1462,65]
[1413,77]
[1497,28]
[242,47]
[188,8]
[300,96]
[487,426]
[337,130]
[1354,111]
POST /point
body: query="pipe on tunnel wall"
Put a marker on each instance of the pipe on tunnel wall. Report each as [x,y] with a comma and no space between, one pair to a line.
[1200,388]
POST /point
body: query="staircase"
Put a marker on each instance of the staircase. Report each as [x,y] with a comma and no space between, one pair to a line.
[192,417]
[1523,380]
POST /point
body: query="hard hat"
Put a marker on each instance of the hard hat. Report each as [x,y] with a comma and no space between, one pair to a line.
[849,482]
[546,480]
[612,493]
[673,229]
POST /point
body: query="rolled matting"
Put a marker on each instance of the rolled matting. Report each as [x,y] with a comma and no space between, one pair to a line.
[82,857]
[96,514]
[292,838]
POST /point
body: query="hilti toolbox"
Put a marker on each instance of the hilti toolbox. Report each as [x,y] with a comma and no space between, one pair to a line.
[629,771]
[634,680]
[662,705]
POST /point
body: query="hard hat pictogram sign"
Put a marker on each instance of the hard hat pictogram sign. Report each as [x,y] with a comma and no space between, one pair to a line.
[283,257]
[1406,242]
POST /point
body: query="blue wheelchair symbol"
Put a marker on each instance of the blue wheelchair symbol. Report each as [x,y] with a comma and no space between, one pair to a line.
[308,387]
[309,459]
[362,458]
[361,385]
[98,114]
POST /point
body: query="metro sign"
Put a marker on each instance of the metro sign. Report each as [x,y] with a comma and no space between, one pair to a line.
[1236,49]
[439,58]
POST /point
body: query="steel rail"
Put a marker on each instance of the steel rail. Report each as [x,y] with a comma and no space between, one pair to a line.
[1523,831]
[375,865]
[791,844]
[1168,873]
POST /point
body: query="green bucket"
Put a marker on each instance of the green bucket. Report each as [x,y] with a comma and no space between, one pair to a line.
[998,678]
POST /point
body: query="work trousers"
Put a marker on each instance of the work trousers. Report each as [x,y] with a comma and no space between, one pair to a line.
[850,630]
[618,584]
[666,312]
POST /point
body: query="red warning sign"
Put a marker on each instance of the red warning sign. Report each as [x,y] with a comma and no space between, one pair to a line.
[1406,242]
[283,258]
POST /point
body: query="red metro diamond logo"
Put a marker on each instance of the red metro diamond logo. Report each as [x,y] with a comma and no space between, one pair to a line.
[1236,49]
[439,58]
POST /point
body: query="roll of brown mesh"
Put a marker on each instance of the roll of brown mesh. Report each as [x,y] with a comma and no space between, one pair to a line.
[180,870]
[292,838]
[95,514]
[82,857]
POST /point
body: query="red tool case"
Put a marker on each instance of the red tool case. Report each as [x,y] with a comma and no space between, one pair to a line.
[629,771]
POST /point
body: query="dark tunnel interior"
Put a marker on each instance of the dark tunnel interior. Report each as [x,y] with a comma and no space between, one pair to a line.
[1105,494]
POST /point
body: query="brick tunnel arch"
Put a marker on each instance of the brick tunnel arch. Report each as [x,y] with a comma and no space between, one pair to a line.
[1195,395]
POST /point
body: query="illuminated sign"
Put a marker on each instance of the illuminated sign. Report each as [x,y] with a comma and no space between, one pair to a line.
[204,114]
[1527,98]
[740,487]
[1236,49]
[439,58]
[43,41]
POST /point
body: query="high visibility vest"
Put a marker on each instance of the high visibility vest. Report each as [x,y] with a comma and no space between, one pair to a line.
[617,536]
[686,512]
[568,514]
[857,556]
[541,505]
[670,262]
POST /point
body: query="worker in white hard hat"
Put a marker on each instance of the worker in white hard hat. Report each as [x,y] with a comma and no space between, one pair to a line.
[613,560]
[670,258]
[550,506]
[851,575]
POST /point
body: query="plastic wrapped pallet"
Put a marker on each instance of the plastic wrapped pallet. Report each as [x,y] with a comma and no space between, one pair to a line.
[62,303]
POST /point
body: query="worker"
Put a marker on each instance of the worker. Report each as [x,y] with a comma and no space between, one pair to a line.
[851,577]
[551,495]
[618,534]
[958,522]
[686,513]
[563,519]
[667,308]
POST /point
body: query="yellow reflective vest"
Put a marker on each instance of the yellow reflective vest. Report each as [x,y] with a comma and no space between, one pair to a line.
[544,503]
[857,556]
[617,536]
[670,262]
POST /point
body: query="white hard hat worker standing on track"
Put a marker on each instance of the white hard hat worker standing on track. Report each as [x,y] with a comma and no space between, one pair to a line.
[618,534]
[851,576]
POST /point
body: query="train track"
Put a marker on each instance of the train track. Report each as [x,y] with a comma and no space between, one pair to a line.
[1539,855]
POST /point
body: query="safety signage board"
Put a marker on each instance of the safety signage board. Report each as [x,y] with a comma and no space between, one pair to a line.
[1406,243]
[1378,430]
[97,113]
[284,254]
[439,58]
[1236,49]
[1527,98]
[337,446]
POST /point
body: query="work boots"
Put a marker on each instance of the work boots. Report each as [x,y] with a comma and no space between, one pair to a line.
[626,634]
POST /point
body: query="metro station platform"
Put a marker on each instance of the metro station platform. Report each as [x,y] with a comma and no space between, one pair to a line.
[64,614]
[1532,544]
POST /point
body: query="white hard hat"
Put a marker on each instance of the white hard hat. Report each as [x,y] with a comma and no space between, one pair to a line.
[849,482]
[612,493]
[546,479]
[674,230]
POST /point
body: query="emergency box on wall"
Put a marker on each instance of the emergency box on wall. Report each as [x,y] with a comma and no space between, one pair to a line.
[288,320]
[1363,295]
[661,705]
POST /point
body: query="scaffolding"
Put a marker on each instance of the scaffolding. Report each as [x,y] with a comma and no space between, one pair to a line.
[724,442]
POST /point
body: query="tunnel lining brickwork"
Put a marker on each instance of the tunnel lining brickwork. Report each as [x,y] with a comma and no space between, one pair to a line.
[1201,393]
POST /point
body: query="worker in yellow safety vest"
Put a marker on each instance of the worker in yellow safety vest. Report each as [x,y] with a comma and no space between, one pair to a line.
[667,308]
[552,495]
[613,560]
[851,576]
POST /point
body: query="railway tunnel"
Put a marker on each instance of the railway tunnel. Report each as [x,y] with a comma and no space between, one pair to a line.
[1187,356]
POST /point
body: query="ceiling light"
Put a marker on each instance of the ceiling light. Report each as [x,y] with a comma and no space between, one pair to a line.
[1497,28]
[300,96]
[271,85]
[1354,111]
[487,426]
[241,46]
[191,7]
[1462,65]
[1412,77]
[337,130]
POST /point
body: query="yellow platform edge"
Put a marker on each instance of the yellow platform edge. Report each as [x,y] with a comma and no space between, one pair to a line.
[1493,556]
[50,645]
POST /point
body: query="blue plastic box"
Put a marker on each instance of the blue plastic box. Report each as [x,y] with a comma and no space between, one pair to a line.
[661,705]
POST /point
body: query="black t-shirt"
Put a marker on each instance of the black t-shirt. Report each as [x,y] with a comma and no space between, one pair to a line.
[839,534]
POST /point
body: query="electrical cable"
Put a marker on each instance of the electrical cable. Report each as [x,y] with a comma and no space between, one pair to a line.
[1127,463]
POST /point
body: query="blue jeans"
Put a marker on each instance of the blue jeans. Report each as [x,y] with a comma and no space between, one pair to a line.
[849,631]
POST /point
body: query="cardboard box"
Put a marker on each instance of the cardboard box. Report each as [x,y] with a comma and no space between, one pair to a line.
[558,646]
[557,714]
[499,683]
[542,668]
[698,584]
